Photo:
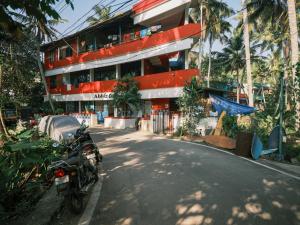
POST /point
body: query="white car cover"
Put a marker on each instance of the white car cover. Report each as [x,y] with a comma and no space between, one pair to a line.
[59,127]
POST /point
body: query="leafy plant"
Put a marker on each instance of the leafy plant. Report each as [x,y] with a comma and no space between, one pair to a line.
[230,126]
[191,106]
[23,169]
[126,96]
[59,111]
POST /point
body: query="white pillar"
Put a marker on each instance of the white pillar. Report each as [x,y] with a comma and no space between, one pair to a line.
[66,78]
[142,67]
[186,59]
[91,75]
[79,104]
[186,14]
[118,71]
[115,112]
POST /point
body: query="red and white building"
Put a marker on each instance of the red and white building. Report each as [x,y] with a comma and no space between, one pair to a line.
[151,42]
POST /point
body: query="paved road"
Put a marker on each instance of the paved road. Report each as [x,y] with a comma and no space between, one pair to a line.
[150,180]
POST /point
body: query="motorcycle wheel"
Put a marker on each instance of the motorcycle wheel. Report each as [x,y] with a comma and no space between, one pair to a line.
[76,203]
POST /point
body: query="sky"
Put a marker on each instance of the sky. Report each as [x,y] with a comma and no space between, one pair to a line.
[81,7]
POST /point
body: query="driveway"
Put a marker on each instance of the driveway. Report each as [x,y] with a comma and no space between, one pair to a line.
[153,180]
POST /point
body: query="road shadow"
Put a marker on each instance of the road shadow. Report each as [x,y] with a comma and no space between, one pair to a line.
[150,180]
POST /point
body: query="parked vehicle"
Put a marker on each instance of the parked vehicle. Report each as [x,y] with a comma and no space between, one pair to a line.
[75,174]
[83,137]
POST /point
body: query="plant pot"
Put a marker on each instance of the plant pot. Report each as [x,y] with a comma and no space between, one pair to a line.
[243,144]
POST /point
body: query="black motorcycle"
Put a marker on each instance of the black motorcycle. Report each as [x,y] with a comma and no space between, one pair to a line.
[75,174]
[83,137]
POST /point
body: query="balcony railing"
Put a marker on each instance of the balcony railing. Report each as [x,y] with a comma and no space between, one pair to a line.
[153,81]
[157,39]
[144,5]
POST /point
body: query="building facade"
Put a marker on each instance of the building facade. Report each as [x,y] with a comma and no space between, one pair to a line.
[151,42]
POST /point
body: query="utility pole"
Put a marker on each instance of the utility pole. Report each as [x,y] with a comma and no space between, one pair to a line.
[247,51]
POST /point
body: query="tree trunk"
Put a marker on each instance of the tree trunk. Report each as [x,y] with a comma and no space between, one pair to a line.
[209,62]
[44,80]
[200,40]
[3,129]
[238,87]
[247,51]
[286,51]
[294,51]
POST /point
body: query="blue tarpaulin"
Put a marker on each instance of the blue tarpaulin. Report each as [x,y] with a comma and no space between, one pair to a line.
[221,104]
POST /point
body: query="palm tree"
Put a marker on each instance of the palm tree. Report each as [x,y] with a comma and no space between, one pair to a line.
[247,52]
[294,51]
[216,27]
[102,13]
[212,14]
[281,14]
[232,58]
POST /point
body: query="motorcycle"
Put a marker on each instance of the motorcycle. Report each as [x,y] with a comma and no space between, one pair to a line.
[75,174]
[83,137]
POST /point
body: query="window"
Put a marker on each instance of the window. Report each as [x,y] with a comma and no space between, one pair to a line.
[87,43]
[51,56]
[65,51]
[87,107]
[72,107]
[131,69]
[82,76]
[53,82]
[105,73]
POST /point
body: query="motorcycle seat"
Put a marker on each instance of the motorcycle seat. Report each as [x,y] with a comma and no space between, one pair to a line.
[75,160]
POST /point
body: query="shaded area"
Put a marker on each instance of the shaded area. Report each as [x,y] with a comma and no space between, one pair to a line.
[151,180]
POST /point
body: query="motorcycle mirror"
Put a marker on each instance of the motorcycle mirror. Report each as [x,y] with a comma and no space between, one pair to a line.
[55,144]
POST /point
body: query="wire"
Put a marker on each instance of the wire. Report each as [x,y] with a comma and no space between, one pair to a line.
[81,17]
[63,39]
[199,32]
[196,33]
[126,2]
[123,4]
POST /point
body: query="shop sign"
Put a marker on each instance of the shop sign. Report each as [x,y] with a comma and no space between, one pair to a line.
[103,96]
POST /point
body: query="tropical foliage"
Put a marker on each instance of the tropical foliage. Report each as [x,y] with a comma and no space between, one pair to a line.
[101,14]
[23,171]
[191,106]
[126,96]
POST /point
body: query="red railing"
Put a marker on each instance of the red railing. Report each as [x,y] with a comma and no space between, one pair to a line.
[144,5]
[175,34]
[153,81]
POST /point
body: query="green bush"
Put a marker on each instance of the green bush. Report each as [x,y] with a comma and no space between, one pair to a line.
[230,126]
[23,170]
[181,131]
[59,111]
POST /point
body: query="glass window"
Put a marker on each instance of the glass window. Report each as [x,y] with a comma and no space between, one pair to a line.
[87,107]
[131,69]
[72,107]
[53,82]
[105,73]
[65,51]
[87,43]
[78,77]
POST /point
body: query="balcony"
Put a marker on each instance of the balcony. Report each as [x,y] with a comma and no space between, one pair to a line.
[154,81]
[109,54]
[147,12]
[144,5]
